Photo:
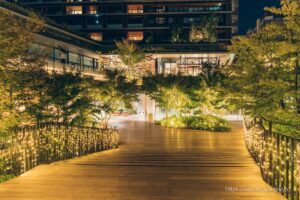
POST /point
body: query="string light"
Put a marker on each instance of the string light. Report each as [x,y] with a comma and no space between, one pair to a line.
[274,154]
[31,146]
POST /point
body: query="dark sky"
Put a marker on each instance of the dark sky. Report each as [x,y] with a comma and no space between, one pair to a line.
[250,10]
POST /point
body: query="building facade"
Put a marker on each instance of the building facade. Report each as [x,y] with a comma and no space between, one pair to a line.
[152,24]
[261,22]
[70,50]
[151,21]
[67,49]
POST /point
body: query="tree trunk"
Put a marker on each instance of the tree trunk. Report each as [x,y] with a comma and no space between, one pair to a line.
[282,104]
[296,87]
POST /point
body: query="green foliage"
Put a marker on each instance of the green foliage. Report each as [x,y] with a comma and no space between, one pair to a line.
[6,177]
[30,95]
[115,93]
[149,39]
[285,123]
[173,122]
[198,122]
[16,35]
[174,92]
[291,12]
[207,122]
[262,80]
[177,34]
[131,56]
[68,98]
[129,53]
[20,64]
[205,30]
[188,94]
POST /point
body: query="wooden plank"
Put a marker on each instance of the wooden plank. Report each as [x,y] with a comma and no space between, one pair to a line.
[152,163]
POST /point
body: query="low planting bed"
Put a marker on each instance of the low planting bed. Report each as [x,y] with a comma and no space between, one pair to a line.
[198,122]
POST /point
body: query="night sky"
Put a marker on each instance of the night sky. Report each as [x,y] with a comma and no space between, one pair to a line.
[250,10]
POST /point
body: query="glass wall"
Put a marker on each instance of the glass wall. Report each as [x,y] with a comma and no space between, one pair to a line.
[190,66]
[64,57]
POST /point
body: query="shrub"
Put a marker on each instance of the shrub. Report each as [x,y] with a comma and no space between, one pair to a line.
[6,177]
[199,122]
[173,122]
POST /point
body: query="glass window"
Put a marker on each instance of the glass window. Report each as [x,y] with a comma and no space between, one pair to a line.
[135,21]
[135,36]
[74,10]
[96,36]
[115,9]
[58,55]
[88,62]
[92,10]
[135,8]
[74,58]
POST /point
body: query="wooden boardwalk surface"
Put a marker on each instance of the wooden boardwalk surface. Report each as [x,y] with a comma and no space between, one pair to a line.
[152,163]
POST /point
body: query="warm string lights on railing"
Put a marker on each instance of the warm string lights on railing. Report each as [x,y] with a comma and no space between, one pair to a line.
[278,157]
[31,146]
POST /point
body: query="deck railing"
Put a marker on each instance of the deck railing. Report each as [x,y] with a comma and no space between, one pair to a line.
[277,155]
[22,149]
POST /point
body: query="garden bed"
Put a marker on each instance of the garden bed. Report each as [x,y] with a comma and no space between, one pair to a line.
[199,122]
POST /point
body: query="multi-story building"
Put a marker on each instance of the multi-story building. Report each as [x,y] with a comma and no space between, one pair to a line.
[152,24]
[70,50]
[148,21]
[261,22]
[66,48]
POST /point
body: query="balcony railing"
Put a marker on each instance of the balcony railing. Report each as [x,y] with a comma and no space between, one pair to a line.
[24,148]
[277,155]
[172,48]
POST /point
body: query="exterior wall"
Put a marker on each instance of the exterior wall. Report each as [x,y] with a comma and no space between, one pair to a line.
[149,21]
[65,55]
[68,49]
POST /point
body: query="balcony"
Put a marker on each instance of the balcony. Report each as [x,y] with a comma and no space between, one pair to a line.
[114,25]
[94,26]
[92,10]
[135,9]
[74,10]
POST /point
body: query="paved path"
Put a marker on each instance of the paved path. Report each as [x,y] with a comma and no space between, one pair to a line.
[152,163]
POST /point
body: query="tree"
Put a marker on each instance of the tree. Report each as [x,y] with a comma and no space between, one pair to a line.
[112,94]
[214,98]
[130,55]
[290,43]
[205,30]
[262,80]
[20,62]
[16,37]
[68,98]
[174,92]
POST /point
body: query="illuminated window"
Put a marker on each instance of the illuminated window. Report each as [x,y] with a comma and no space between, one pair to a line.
[92,10]
[74,58]
[135,8]
[74,10]
[137,36]
[96,36]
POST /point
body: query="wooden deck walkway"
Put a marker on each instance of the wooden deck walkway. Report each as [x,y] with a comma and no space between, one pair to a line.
[152,163]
